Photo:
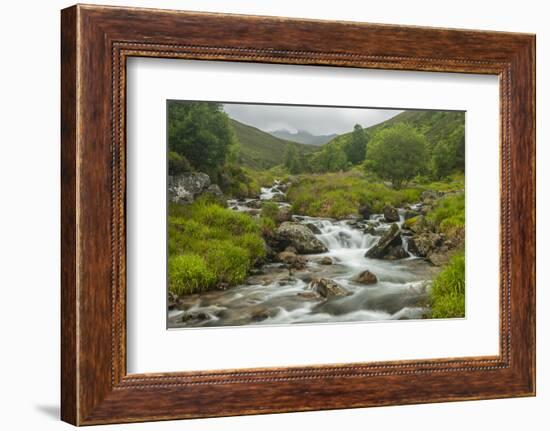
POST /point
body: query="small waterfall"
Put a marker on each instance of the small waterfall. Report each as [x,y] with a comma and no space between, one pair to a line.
[268,193]
[338,235]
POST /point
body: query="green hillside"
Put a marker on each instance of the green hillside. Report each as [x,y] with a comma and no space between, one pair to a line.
[443,130]
[435,125]
[261,150]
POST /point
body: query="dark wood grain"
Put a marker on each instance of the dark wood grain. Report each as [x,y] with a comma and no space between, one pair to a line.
[96,41]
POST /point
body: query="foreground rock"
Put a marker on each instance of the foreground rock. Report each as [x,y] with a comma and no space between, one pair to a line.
[389,246]
[298,236]
[425,243]
[390,214]
[327,288]
[184,188]
[325,260]
[416,224]
[365,211]
[366,277]
[292,260]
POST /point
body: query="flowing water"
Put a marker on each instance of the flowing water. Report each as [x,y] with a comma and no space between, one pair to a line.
[273,296]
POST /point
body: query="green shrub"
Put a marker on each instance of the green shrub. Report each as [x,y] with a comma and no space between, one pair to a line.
[189,273]
[447,293]
[341,194]
[255,246]
[270,210]
[228,261]
[267,226]
[449,214]
[177,164]
[219,246]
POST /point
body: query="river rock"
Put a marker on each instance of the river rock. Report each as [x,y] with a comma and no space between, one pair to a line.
[284,214]
[313,228]
[395,252]
[195,317]
[439,259]
[256,204]
[365,211]
[300,237]
[366,277]
[416,224]
[308,295]
[425,243]
[185,187]
[390,214]
[328,288]
[389,239]
[214,190]
[292,260]
[325,260]
[410,214]
[429,196]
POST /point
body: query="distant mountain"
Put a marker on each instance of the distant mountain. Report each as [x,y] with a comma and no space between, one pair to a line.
[261,150]
[303,137]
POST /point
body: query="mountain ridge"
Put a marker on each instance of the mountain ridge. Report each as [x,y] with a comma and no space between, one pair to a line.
[262,150]
[304,137]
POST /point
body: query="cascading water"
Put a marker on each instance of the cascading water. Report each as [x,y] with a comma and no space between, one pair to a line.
[277,297]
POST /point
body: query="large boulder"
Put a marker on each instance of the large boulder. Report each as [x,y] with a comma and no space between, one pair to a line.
[328,288]
[425,243]
[185,187]
[313,228]
[396,252]
[384,245]
[366,277]
[390,214]
[298,236]
[416,224]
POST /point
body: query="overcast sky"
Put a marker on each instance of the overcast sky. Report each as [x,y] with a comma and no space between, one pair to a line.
[315,120]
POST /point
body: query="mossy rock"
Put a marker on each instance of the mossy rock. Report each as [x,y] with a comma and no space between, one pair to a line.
[416,224]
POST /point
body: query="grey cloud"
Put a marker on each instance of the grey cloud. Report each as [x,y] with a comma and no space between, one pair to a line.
[315,120]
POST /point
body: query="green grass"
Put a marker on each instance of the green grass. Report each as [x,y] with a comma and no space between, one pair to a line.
[341,194]
[449,214]
[447,293]
[266,178]
[210,246]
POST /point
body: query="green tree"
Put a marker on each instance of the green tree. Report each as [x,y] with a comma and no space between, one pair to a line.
[200,132]
[397,154]
[177,164]
[336,159]
[356,146]
[443,159]
[292,159]
[448,154]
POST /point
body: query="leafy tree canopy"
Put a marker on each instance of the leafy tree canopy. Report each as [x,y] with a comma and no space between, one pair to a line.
[397,154]
[200,132]
[355,147]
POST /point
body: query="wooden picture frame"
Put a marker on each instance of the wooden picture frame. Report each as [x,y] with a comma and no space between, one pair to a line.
[95,43]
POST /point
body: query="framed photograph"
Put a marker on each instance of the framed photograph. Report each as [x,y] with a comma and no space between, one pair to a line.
[264,214]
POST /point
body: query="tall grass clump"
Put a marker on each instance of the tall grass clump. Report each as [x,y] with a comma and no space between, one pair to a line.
[449,215]
[210,246]
[447,293]
[341,194]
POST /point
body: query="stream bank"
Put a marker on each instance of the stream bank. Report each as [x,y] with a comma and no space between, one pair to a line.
[322,270]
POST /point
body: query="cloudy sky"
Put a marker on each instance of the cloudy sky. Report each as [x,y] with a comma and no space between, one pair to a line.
[315,120]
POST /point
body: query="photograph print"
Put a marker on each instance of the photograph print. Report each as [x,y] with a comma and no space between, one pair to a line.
[295,214]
